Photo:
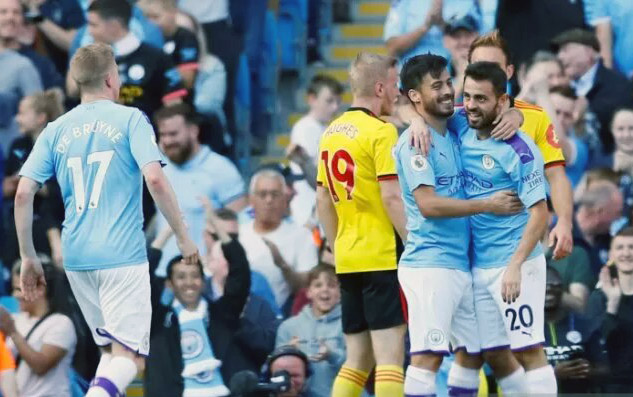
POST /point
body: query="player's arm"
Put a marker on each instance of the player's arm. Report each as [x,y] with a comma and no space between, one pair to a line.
[165,200]
[562,201]
[391,196]
[327,215]
[23,211]
[432,205]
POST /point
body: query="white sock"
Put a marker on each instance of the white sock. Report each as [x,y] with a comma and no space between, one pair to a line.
[119,373]
[103,363]
[542,381]
[462,381]
[418,381]
[515,383]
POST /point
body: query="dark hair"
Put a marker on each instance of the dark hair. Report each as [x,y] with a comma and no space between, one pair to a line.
[564,91]
[553,276]
[176,260]
[179,109]
[319,269]
[625,232]
[282,351]
[488,71]
[617,111]
[417,67]
[320,81]
[492,39]
[113,9]
[226,214]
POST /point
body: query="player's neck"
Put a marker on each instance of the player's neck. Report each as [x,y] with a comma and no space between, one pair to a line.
[371,104]
[39,309]
[437,123]
[265,227]
[554,316]
[484,134]
[93,97]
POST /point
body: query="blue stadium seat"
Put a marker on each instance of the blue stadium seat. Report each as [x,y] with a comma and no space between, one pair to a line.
[293,18]
[242,114]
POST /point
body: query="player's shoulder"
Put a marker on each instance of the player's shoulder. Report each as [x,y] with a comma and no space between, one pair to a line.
[402,144]
[521,147]
[534,117]
[526,107]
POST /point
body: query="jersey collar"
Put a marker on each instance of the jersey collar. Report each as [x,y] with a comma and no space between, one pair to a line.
[365,110]
[126,45]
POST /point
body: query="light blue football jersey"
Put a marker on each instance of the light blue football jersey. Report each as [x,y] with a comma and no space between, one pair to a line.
[96,152]
[490,166]
[433,242]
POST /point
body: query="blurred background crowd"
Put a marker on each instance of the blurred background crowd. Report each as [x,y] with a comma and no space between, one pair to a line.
[239,93]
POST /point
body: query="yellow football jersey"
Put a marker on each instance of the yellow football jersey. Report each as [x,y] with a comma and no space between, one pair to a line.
[354,155]
[537,124]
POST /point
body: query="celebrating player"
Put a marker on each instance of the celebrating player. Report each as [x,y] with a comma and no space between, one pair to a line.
[436,252]
[98,152]
[358,201]
[507,259]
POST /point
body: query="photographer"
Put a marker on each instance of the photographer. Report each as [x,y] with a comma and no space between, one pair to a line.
[295,362]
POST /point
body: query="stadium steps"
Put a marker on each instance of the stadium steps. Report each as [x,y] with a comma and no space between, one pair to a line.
[358,32]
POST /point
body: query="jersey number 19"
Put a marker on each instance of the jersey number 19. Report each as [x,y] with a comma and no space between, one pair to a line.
[332,169]
[79,191]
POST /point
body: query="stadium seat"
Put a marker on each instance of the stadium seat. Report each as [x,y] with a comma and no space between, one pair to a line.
[293,17]
[242,109]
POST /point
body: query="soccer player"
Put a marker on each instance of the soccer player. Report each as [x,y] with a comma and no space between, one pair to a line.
[99,152]
[359,204]
[507,259]
[436,252]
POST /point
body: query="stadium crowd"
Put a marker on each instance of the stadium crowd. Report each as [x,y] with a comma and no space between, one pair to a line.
[266,296]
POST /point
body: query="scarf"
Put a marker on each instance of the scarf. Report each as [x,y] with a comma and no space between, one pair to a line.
[201,371]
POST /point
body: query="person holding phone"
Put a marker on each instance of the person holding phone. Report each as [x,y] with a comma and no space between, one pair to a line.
[610,310]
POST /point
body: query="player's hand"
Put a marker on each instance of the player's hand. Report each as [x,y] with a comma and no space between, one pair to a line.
[31,278]
[322,354]
[511,283]
[505,202]
[573,369]
[274,251]
[189,251]
[420,136]
[561,236]
[7,325]
[611,288]
[506,124]
[297,154]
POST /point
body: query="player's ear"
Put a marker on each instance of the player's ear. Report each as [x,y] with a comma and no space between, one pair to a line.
[379,89]
[510,71]
[414,96]
[501,102]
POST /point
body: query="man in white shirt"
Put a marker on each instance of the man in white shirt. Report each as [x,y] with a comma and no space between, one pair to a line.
[281,250]
[324,100]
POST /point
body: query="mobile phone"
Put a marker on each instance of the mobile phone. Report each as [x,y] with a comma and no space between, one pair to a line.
[613,270]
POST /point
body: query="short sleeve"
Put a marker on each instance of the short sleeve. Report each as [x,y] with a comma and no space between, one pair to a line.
[548,143]
[30,81]
[171,81]
[416,169]
[384,143]
[395,22]
[307,255]
[321,172]
[596,12]
[458,122]
[525,167]
[229,181]
[6,358]
[143,140]
[40,166]
[60,333]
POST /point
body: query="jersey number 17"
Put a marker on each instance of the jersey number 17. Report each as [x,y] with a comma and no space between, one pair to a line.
[332,170]
[77,169]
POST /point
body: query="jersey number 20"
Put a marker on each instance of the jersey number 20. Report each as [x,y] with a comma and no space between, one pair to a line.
[332,170]
[77,169]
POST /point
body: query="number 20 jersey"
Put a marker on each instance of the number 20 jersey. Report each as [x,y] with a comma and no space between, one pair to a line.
[96,152]
[355,154]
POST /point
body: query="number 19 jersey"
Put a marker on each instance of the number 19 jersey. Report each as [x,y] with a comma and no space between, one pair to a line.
[96,152]
[355,154]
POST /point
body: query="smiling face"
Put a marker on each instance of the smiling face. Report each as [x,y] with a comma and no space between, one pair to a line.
[622,253]
[324,293]
[324,104]
[438,95]
[622,129]
[481,103]
[186,282]
[297,370]
[576,59]
[11,19]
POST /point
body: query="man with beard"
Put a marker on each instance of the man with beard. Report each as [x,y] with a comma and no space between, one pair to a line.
[194,170]
[359,204]
[506,256]
[435,256]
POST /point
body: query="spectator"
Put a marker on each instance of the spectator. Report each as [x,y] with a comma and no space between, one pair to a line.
[142,28]
[48,73]
[414,27]
[599,206]
[612,20]
[604,89]
[279,249]
[148,78]
[543,66]
[171,369]
[317,331]
[42,337]
[35,112]
[324,100]
[296,363]
[217,265]
[8,387]
[181,45]
[18,79]
[528,26]
[610,310]
[194,171]
[622,130]
[576,354]
[58,21]
[576,151]
[460,31]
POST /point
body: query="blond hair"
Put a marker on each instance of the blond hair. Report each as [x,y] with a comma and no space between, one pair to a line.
[90,65]
[164,4]
[368,69]
[49,102]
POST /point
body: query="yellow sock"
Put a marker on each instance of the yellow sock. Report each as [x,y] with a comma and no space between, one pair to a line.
[389,381]
[349,382]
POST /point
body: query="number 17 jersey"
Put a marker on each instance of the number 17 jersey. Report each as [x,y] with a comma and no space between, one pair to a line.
[96,152]
[355,154]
